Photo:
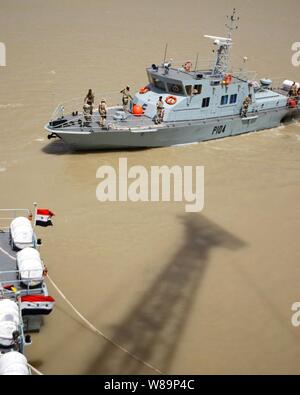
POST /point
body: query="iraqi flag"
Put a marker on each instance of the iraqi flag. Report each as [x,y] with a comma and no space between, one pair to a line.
[43,217]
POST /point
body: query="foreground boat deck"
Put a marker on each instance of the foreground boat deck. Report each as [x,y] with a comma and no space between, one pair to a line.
[9,272]
[7,264]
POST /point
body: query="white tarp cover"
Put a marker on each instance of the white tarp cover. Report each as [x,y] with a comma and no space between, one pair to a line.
[13,363]
[21,231]
[30,265]
[9,321]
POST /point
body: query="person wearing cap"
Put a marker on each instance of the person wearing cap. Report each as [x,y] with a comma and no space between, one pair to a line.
[103,112]
[125,97]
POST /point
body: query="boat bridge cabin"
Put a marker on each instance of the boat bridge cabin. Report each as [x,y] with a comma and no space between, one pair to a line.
[198,94]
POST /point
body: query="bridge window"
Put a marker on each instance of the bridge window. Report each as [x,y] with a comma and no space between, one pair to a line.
[193,90]
[233,99]
[197,90]
[175,88]
[205,102]
[159,84]
[224,100]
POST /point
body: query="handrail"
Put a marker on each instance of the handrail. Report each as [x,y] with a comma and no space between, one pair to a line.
[86,120]
[77,103]
[22,287]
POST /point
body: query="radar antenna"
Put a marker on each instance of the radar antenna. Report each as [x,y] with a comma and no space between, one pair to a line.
[224,44]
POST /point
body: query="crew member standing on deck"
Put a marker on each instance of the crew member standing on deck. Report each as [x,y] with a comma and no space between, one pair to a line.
[89,101]
[293,90]
[159,111]
[125,98]
[246,104]
[103,112]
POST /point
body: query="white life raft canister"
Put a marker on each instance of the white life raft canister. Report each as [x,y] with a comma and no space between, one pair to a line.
[9,322]
[13,363]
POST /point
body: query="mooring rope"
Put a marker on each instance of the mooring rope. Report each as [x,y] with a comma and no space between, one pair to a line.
[100,333]
[35,370]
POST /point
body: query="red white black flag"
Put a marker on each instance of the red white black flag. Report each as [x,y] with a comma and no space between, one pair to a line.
[43,217]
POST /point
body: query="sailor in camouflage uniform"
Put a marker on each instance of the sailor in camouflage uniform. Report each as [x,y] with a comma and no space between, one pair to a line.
[246,104]
[103,112]
[159,111]
[126,97]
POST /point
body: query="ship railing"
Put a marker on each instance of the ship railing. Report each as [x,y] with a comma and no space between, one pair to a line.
[277,82]
[252,76]
[113,99]
[82,119]
[244,75]
[8,214]
[76,105]
[85,121]
[11,288]
[200,65]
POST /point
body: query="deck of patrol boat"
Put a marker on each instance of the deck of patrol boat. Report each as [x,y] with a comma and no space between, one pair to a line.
[81,123]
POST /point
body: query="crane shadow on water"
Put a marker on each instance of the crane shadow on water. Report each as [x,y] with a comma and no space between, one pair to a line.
[152,329]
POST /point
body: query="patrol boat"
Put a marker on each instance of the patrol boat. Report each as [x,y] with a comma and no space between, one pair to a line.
[199,105]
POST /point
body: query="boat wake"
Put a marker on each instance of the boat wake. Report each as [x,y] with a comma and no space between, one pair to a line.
[185,144]
[9,105]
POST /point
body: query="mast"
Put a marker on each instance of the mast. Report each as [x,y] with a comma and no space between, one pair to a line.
[224,45]
[232,25]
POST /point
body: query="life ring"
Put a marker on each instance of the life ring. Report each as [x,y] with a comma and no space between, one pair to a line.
[171,100]
[227,79]
[144,90]
[188,66]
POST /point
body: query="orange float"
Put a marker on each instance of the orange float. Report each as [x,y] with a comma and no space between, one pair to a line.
[292,103]
[144,90]
[137,110]
[227,79]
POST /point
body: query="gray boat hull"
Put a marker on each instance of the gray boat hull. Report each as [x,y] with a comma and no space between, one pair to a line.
[170,133]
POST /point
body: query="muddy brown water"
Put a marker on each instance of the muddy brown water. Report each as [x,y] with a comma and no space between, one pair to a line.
[190,293]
